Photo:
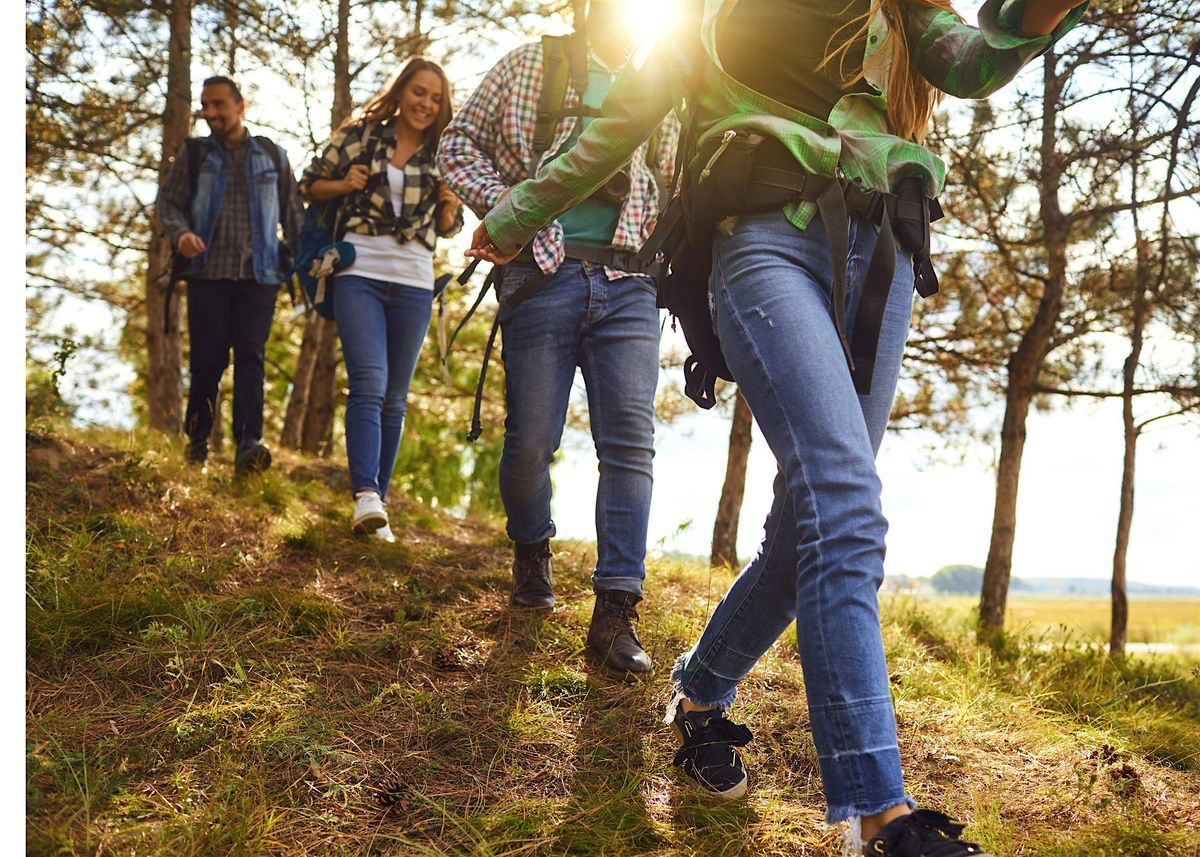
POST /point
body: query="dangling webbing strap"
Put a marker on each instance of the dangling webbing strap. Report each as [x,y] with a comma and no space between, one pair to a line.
[532,284]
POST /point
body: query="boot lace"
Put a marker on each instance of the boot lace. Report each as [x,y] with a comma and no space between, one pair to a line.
[925,833]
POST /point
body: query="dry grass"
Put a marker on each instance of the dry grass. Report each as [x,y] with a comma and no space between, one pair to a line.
[218,668]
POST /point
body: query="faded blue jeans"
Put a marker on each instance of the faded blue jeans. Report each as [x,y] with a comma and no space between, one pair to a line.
[821,560]
[382,326]
[610,330]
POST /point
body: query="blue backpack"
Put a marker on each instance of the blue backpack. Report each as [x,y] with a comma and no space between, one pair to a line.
[319,251]
[319,256]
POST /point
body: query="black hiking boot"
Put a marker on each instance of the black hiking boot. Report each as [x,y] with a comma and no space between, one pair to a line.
[925,833]
[709,755]
[252,457]
[532,579]
[197,451]
[612,640]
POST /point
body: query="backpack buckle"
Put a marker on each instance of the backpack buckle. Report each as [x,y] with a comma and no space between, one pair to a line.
[864,202]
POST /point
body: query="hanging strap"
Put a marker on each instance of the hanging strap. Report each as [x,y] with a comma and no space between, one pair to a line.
[832,205]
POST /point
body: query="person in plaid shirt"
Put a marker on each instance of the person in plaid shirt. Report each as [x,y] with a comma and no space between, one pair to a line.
[584,302]
[846,99]
[394,207]
[224,223]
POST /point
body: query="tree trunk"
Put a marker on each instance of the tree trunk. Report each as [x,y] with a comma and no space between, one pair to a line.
[164,351]
[318,417]
[1120,600]
[729,510]
[308,420]
[1141,311]
[297,406]
[1024,366]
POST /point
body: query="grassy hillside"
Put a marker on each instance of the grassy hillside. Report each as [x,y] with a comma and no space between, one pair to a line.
[219,668]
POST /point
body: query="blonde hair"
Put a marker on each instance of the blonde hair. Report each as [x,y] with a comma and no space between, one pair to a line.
[911,99]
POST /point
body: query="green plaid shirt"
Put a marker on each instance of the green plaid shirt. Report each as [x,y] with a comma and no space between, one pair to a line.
[963,61]
[369,211]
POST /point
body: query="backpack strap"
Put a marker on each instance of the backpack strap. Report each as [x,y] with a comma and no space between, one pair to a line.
[272,151]
[564,62]
[366,158]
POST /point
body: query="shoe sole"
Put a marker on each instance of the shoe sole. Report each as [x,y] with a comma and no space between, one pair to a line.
[369,523]
[627,676]
[735,792]
[538,608]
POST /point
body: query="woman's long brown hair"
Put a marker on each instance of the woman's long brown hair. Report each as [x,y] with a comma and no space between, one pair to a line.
[910,98]
[387,101]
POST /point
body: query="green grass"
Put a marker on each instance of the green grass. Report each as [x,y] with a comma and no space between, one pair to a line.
[220,668]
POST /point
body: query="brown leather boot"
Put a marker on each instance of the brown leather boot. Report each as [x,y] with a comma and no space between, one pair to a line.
[532,579]
[612,640]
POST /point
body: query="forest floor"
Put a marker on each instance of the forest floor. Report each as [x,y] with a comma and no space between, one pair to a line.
[218,667]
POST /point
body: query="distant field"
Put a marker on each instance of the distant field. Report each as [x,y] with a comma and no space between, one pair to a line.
[1151,620]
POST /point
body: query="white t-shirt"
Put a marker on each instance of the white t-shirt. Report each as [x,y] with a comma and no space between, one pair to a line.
[382,257]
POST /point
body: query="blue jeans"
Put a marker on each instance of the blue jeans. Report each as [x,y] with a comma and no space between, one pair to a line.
[821,560]
[382,326]
[610,329]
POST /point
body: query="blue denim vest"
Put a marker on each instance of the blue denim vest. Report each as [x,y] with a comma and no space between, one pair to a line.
[262,190]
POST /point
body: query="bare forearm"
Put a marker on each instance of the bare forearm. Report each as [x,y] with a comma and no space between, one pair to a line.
[1040,17]
[325,189]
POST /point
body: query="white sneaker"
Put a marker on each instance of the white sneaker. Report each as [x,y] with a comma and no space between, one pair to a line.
[369,514]
[384,534]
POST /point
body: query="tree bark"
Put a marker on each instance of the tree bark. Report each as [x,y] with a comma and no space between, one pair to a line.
[729,510]
[1120,600]
[318,417]
[164,350]
[308,420]
[1141,310]
[1024,366]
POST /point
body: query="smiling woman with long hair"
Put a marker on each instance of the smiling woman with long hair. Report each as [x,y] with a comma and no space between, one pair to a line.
[806,119]
[395,205]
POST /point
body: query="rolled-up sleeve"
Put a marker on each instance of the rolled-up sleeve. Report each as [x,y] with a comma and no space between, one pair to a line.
[974,62]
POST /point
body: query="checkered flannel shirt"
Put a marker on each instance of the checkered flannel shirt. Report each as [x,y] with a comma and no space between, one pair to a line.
[488,147]
[963,61]
[369,211]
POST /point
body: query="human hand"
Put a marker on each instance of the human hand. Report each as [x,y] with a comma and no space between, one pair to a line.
[1040,17]
[356,178]
[483,248]
[446,196]
[190,245]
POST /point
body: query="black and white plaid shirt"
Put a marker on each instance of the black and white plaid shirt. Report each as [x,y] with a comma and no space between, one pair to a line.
[369,211]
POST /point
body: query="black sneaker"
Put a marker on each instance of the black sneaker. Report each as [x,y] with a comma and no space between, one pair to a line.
[708,755]
[253,457]
[925,833]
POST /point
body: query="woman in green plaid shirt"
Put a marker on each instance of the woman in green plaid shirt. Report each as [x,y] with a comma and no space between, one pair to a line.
[394,207]
[843,92]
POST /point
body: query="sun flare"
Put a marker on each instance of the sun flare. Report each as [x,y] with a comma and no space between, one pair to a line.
[648,18]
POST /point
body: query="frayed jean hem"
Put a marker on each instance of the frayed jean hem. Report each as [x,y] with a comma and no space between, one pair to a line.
[681,680]
[838,814]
